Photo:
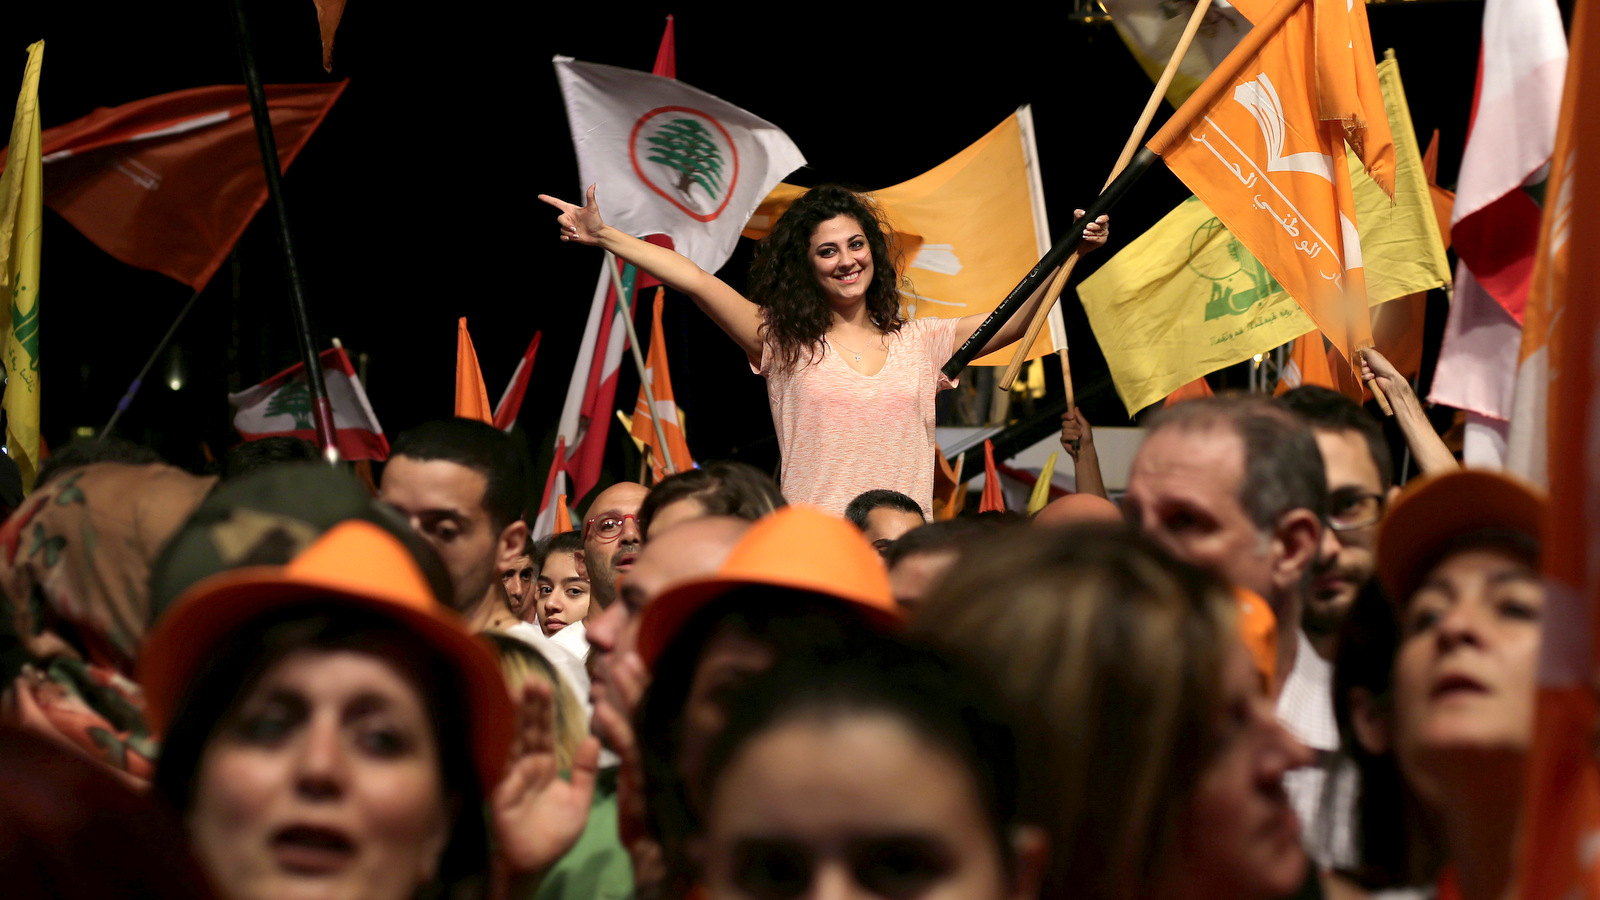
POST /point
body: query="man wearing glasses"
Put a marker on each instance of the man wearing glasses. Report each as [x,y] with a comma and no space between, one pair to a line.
[1360,472]
[611,539]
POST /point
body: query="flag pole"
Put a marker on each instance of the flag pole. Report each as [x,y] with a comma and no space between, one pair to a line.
[1128,149]
[138,380]
[1142,160]
[638,362]
[321,408]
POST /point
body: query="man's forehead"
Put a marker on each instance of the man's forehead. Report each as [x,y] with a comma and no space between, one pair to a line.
[1346,458]
[619,500]
[418,484]
[1211,456]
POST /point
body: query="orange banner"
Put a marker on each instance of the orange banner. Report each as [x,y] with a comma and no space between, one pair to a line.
[1260,144]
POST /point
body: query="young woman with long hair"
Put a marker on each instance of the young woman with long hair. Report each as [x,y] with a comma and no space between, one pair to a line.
[851,381]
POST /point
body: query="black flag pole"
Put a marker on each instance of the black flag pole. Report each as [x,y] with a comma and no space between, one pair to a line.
[1051,261]
[321,408]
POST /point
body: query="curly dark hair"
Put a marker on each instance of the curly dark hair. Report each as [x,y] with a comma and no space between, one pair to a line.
[784,283]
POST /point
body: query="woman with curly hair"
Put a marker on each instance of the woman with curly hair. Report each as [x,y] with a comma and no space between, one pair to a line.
[850,380]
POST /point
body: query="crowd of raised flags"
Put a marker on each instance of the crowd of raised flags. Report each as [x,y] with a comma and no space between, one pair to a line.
[1315,222]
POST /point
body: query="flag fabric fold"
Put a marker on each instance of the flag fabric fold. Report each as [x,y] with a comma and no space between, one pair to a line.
[169,183]
[510,405]
[1262,143]
[1151,29]
[472,398]
[666,408]
[1041,487]
[281,406]
[21,224]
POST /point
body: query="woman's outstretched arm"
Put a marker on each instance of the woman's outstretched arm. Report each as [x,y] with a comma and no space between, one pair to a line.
[735,315]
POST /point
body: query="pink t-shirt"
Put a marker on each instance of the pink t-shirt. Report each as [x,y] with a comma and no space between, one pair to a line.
[842,432]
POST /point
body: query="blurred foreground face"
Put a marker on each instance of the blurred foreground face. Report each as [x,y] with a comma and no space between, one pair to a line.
[852,806]
[676,513]
[912,578]
[561,593]
[1183,493]
[518,583]
[325,783]
[885,525]
[1468,663]
[1240,837]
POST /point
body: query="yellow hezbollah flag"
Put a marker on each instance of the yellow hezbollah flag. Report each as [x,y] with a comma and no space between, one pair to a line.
[21,218]
[1186,298]
[968,229]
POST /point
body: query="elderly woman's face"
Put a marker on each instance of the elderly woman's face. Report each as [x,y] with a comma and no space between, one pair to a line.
[325,783]
[1467,667]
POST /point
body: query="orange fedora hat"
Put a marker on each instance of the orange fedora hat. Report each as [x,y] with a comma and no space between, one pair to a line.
[357,565]
[797,548]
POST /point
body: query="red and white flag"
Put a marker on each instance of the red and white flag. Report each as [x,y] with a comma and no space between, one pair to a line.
[1495,223]
[281,407]
[550,505]
[505,412]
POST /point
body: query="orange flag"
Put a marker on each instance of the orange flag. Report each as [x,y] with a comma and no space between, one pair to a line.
[1308,364]
[644,428]
[563,523]
[1555,432]
[472,398]
[1262,142]
[994,500]
[1192,391]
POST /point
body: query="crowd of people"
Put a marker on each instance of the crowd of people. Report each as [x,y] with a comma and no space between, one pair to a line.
[1268,671]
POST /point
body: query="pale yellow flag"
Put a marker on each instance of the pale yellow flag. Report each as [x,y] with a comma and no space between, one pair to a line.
[966,230]
[1186,298]
[21,218]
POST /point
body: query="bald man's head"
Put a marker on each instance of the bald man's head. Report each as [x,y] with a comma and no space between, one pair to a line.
[1074,509]
[611,538]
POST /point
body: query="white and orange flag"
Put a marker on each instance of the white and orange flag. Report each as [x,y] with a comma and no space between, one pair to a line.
[1554,440]
[644,429]
[1262,142]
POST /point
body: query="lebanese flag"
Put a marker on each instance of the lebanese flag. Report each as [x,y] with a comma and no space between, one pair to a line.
[505,412]
[552,504]
[281,406]
[169,183]
[1495,224]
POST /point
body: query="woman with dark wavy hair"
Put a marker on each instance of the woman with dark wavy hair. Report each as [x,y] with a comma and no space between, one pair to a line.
[850,380]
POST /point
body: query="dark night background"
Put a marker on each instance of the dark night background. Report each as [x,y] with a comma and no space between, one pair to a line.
[415,202]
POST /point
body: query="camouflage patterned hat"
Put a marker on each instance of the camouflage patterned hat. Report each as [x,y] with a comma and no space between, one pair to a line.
[268,518]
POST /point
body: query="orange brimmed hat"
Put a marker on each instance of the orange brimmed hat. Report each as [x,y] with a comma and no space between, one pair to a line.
[1432,512]
[355,565]
[797,548]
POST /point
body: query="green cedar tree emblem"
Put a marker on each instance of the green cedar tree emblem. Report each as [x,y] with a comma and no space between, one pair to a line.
[293,399]
[686,146]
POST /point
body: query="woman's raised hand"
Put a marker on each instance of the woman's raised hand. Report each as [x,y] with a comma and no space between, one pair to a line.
[536,815]
[578,223]
[1095,233]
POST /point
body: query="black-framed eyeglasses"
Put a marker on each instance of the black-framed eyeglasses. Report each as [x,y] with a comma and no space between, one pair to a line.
[1349,510]
[608,528]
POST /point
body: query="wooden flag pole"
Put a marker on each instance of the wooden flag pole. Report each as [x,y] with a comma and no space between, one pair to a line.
[638,360]
[1134,140]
